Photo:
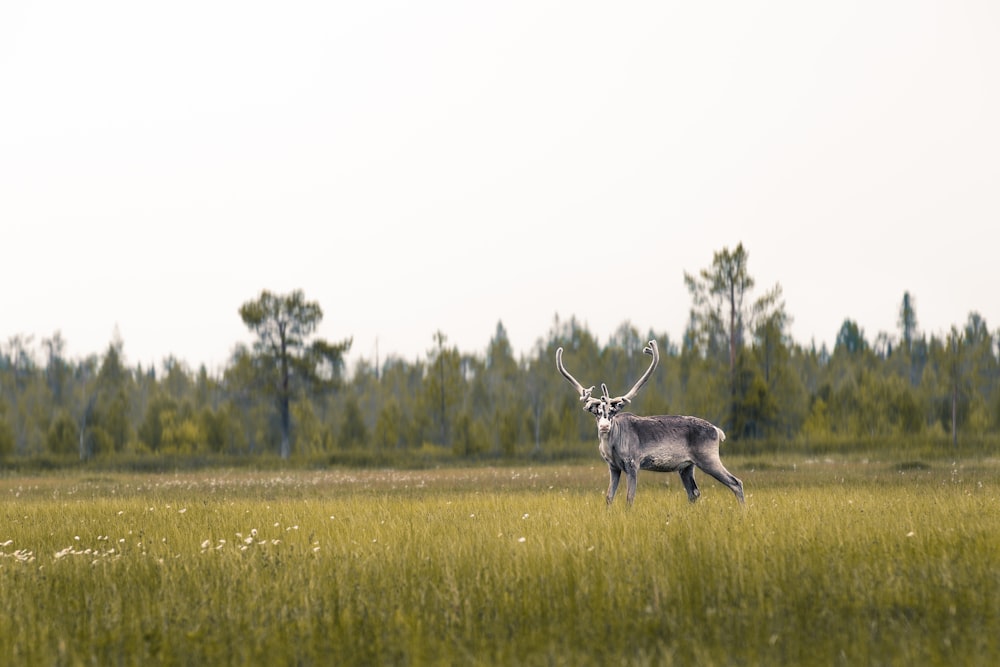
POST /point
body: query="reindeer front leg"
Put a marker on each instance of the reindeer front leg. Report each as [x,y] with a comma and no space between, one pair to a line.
[631,480]
[616,475]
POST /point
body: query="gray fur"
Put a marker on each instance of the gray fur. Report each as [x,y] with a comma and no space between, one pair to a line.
[665,443]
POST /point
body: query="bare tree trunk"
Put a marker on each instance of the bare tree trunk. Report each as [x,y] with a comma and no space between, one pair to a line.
[732,352]
[286,427]
[732,335]
[87,411]
[283,398]
[538,427]
[954,416]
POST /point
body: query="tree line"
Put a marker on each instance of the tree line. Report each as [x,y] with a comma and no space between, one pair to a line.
[289,392]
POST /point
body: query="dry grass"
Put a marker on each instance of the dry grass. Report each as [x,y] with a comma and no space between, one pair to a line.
[831,562]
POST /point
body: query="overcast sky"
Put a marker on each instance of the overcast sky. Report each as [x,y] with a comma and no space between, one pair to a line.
[425,166]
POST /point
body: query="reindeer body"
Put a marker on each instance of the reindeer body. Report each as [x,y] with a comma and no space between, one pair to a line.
[665,443]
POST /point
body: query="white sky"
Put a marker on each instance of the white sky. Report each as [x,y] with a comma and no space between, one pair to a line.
[424,166]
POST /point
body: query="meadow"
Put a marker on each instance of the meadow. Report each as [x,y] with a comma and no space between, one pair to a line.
[832,561]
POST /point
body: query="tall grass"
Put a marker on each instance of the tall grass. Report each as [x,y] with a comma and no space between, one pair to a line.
[829,563]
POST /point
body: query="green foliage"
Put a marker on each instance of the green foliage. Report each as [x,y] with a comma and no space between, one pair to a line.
[907,322]
[151,430]
[284,355]
[181,433]
[470,437]
[63,436]
[442,389]
[353,432]
[850,338]
[918,390]
[756,411]
[388,426]
[723,318]
[110,420]
[215,428]
[6,438]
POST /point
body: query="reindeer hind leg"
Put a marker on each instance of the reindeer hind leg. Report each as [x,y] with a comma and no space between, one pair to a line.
[719,472]
[687,477]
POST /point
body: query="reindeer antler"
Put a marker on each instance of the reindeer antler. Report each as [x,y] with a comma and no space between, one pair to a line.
[584,393]
[652,351]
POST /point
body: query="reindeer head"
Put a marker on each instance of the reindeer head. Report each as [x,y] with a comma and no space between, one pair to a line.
[605,408]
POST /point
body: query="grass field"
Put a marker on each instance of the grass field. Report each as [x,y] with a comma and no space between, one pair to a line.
[831,562]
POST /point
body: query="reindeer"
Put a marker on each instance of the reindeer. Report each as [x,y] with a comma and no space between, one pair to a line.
[664,443]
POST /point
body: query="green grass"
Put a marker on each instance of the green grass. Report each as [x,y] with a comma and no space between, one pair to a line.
[831,562]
